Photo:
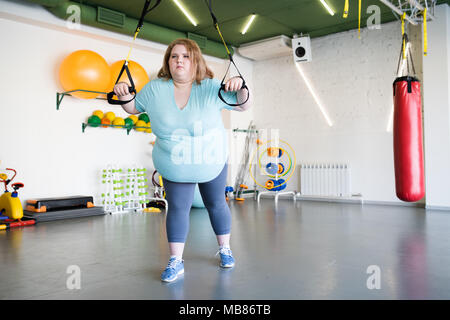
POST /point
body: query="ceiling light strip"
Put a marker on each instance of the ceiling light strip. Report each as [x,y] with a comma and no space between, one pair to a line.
[249,23]
[330,11]
[311,90]
[185,12]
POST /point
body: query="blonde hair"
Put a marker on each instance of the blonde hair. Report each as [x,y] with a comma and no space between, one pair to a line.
[198,62]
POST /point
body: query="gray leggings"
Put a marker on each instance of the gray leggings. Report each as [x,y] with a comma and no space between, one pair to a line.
[180,196]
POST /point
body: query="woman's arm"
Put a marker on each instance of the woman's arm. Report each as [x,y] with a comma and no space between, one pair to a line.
[123,94]
[235,84]
[241,95]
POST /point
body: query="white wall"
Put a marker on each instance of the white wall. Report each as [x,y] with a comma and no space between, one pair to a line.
[436,87]
[47,147]
[353,79]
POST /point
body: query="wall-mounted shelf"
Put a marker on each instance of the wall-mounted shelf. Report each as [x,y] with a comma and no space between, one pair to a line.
[102,126]
[244,130]
[60,95]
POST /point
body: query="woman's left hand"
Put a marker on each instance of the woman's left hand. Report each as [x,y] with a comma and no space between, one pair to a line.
[234,84]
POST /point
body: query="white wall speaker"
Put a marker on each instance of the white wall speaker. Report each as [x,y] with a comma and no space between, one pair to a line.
[301,49]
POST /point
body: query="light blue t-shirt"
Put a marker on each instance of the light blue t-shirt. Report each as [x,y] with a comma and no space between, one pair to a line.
[191,144]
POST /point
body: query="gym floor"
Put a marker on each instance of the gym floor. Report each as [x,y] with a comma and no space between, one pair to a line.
[295,250]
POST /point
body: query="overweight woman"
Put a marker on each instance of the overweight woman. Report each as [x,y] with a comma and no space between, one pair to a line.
[191,145]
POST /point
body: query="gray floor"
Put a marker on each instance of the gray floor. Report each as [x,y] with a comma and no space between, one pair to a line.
[307,250]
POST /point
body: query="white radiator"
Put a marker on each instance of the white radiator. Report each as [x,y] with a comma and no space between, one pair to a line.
[332,179]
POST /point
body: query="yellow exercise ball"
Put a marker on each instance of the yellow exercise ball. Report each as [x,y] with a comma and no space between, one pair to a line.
[86,70]
[110,115]
[141,124]
[118,121]
[133,118]
[149,130]
[138,73]
[98,113]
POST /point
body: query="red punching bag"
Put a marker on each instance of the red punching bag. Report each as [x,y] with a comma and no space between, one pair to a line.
[408,146]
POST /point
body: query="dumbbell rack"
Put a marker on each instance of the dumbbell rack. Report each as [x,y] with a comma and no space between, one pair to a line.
[124,190]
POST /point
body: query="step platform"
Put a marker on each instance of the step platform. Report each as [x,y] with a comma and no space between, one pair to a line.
[50,209]
[61,203]
[64,214]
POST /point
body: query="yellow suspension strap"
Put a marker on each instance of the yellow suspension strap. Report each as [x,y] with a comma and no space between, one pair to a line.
[230,57]
[403,35]
[359,19]
[345,14]
[425,44]
[146,9]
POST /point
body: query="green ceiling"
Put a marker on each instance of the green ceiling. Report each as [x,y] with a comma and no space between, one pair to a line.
[274,17]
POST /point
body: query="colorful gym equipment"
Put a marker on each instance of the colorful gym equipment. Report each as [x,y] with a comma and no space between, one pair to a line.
[228,190]
[140,125]
[98,113]
[105,122]
[407,132]
[125,189]
[159,195]
[276,161]
[144,117]
[109,119]
[134,118]
[10,206]
[152,209]
[129,123]
[84,74]
[118,122]
[238,195]
[94,121]
[149,129]
[110,115]
[275,185]
[53,204]
[251,140]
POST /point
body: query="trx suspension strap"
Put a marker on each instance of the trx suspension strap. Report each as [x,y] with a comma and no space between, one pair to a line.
[345,14]
[132,89]
[359,19]
[425,45]
[222,85]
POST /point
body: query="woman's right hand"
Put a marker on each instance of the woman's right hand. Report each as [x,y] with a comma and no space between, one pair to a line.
[121,89]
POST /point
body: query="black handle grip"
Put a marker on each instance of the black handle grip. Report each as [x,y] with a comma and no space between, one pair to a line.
[244,86]
[111,94]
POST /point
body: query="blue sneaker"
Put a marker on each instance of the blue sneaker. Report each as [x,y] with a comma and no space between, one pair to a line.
[174,268]
[226,257]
